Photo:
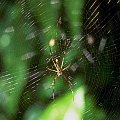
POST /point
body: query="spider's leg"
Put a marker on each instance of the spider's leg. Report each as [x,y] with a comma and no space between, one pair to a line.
[51,69]
[52,58]
[70,85]
[66,67]
[53,86]
[62,62]
[51,55]
[54,63]
[50,51]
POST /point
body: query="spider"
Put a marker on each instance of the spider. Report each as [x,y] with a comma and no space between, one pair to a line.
[58,69]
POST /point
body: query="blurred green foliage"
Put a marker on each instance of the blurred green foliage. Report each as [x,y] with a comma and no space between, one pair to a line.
[26,28]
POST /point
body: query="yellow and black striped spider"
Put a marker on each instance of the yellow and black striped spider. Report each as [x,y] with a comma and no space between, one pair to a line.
[59,68]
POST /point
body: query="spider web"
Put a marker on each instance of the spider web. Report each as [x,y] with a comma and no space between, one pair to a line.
[93,53]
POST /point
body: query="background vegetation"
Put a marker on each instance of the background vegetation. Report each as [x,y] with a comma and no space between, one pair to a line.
[86,35]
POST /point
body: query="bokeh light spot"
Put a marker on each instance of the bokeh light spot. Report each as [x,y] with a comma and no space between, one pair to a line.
[5,40]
